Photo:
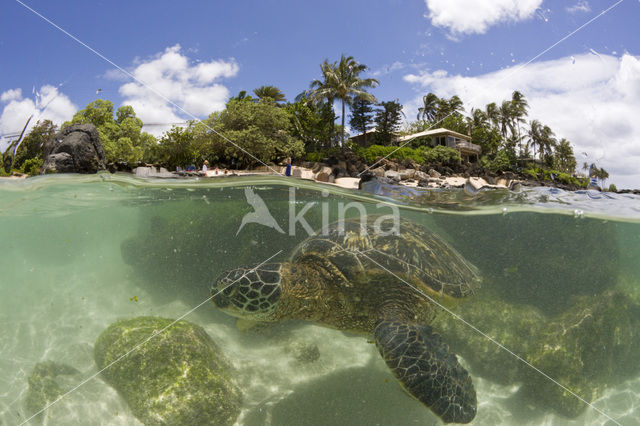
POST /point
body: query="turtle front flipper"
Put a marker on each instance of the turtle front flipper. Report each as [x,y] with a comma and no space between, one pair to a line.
[421,361]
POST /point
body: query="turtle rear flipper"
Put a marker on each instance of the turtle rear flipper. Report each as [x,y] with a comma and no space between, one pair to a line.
[422,363]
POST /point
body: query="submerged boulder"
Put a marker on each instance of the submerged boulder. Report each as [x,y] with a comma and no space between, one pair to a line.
[76,149]
[47,382]
[588,348]
[592,346]
[178,377]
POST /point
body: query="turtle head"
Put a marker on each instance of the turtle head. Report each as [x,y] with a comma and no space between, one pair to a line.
[251,292]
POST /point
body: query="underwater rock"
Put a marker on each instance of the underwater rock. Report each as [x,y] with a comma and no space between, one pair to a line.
[303,352]
[178,377]
[509,324]
[542,260]
[592,346]
[75,149]
[46,384]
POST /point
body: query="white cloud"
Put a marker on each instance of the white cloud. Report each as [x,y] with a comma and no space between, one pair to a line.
[48,103]
[11,95]
[388,69]
[193,87]
[593,101]
[580,6]
[476,16]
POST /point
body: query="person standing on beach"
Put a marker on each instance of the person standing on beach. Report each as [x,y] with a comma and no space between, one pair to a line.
[204,166]
[287,171]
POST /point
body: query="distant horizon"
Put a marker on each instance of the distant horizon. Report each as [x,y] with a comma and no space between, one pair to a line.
[586,88]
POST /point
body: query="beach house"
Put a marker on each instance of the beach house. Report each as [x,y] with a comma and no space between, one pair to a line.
[469,152]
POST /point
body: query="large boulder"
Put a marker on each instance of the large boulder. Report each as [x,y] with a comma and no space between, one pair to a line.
[76,149]
[589,348]
[47,382]
[178,377]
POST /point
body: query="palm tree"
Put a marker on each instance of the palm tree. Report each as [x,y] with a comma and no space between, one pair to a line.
[519,108]
[272,92]
[493,114]
[506,118]
[445,108]
[479,118]
[456,106]
[548,144]
[565,159]
[341,80]
[535,135]
[429,107]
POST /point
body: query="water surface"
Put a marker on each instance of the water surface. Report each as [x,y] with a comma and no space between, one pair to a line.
[81,252]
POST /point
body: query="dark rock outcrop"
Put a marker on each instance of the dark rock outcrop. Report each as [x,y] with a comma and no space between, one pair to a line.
[76,149]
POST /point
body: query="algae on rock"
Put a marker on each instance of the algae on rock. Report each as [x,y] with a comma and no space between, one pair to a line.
[177,377]
[45,385]
[593,345]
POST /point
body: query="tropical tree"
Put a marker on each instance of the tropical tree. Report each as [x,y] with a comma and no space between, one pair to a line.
[565,161]
[313,124]
[31,146]
[548,145]
[505,114]
[519,111]
[493,114]
[429,107]
[270,92]
[535,136]
[446,108]
[361,116]
[261,132]
[479,118]
[341,80]
[121,137]
[388,119]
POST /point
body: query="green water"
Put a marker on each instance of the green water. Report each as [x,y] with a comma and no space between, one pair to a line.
[561,289]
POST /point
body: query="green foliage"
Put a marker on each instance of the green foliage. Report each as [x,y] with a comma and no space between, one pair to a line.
[456,123]
[176,148]
[442,154]
[488,138]
[269,92]
[318,156]
[501,162]
[341,80]
[32,166]
[361,115]
[260,131]
[387,119]
[373,152]
[32,144]
[551,175]
[612,188]
[312,123]
[122,138]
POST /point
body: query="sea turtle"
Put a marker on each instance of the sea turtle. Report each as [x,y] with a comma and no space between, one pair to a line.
[356,277]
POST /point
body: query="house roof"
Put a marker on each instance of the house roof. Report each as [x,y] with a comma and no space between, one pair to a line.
[434,132]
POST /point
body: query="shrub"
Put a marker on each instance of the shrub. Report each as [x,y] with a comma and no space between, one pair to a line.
[372,153]
[32,166]
[442,154]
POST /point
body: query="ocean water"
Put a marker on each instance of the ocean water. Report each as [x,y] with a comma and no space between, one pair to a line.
[560,276]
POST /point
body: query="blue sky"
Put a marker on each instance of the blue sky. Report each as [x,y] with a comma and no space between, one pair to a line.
[587,88]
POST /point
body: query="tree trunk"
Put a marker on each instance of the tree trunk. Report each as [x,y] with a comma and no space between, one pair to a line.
[342,128]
